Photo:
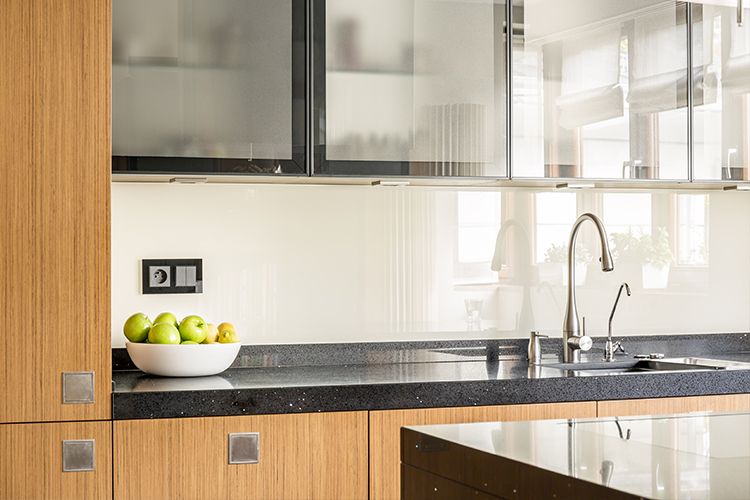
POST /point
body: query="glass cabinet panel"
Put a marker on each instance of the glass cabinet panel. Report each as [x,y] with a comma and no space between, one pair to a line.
[721,56]
[410,87]
[600,89]
[208,87]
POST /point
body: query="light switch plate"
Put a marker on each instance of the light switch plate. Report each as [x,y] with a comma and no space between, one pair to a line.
[78,455]
[78,387]
[244,448]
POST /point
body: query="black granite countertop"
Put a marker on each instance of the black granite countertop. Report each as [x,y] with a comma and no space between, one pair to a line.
[464,378]
[696,455]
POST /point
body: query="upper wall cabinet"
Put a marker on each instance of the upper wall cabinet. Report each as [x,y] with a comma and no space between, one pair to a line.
[208,87]
[721,53]
[600,89]
[410,87]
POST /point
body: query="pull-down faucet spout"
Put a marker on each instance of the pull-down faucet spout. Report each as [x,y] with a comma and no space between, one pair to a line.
[574,340]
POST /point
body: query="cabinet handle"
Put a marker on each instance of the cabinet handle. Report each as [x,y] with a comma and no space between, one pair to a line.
[244,447]
[78,455]
[78,387]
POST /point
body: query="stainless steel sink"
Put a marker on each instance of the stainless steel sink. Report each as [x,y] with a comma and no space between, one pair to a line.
[649,366]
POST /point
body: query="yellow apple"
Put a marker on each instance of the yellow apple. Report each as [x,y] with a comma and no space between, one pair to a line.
[227,333]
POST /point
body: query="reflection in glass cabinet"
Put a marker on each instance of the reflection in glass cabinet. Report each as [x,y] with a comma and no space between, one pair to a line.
[721,52]
[600,89]
[410,87]
[208,87]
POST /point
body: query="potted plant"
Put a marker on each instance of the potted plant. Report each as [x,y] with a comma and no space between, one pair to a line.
[657,259]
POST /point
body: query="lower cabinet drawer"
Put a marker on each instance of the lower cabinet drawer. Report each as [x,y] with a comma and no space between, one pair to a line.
[71,460]
[305,456]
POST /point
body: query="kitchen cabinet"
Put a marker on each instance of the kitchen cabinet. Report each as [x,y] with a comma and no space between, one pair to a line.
[657,406]
[208,87]
[599,90]
[305,456]
[385,432]
[54,209]
[409,88]
[721,58]
[31,461]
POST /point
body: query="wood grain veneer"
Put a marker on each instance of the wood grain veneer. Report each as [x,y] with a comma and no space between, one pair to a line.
[54,205]
[661,406]
[31,461]
[385,432]
[303,456]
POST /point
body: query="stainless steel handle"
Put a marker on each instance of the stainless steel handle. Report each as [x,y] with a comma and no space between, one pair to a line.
[78,455]
[244,448]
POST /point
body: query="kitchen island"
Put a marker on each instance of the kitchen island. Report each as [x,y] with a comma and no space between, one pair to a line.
[697,456]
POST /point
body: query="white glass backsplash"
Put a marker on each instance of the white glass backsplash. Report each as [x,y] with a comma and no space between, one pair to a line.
[306,264]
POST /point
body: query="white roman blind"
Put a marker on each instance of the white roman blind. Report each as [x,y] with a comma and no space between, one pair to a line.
[590,91]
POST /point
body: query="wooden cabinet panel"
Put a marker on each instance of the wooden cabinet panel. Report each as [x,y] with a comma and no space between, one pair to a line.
[31,461]
[657,406]
[305,456]
[54,205]
[385,431]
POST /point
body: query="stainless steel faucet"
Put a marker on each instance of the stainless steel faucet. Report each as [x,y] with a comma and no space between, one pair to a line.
[573,340]
[609,348]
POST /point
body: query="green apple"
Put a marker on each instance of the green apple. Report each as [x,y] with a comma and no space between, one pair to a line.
[167,317]
[193,328]
[136,327]
[189,342]
[164,333]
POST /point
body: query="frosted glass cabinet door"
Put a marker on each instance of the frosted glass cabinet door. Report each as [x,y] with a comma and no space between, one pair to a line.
[208,86]
[600,89]
[410,87]
[721,54]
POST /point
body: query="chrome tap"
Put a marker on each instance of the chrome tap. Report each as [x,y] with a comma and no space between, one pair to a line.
[609,348]
[573,340]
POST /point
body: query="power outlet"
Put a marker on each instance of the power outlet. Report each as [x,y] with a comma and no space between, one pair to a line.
[162,276]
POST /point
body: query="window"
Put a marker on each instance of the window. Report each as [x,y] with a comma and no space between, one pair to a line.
[478,223]
[692,230]
[555,214]
[627,213]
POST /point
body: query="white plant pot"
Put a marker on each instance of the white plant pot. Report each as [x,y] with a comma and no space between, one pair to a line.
[655,277]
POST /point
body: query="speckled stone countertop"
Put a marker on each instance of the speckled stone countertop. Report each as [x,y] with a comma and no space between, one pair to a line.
[443,377]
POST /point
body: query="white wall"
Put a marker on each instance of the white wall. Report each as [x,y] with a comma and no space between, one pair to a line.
[303,264]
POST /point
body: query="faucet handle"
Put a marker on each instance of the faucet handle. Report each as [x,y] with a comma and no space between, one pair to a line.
[582,343]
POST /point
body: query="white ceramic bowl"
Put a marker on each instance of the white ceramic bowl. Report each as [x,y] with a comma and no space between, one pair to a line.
[182,360]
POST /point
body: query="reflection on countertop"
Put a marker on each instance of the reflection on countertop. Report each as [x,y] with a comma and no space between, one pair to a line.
[682,456]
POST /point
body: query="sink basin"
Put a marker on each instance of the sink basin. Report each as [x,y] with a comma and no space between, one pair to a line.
[649,366]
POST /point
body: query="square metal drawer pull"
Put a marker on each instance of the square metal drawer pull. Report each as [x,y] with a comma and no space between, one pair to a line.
[244,448]
[78,387]
[78,455]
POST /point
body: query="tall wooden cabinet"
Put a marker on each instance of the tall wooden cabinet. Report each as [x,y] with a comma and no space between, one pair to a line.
[54,245]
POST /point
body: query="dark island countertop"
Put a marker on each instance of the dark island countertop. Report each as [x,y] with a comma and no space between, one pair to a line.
[426,378]
[698,456]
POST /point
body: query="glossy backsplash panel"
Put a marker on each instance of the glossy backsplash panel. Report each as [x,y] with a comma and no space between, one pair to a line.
[305,264]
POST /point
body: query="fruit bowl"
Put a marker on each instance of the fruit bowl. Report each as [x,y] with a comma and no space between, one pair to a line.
[182,360]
